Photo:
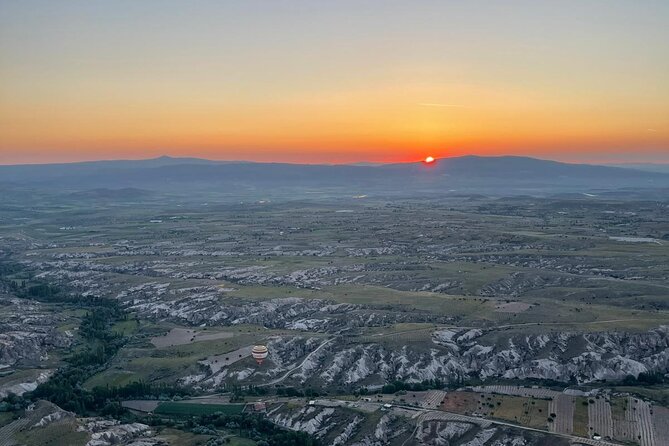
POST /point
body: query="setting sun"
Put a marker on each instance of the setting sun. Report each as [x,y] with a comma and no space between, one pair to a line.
[429,160]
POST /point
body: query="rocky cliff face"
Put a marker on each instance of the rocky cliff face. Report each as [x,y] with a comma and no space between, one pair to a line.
[454,355]
[340,426]
[108,432]
[450,356]
[203,305]
[28,332]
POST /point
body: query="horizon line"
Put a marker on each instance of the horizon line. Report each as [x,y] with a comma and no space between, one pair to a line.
[354,163]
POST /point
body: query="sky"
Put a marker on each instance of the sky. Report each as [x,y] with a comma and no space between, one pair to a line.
[334,81]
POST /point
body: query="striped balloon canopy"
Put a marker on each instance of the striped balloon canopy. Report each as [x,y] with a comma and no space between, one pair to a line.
[259,353]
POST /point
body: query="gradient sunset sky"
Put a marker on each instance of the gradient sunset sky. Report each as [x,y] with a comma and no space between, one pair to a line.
[334,81]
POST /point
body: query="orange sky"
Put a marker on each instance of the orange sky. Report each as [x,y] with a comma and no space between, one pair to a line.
[575,81]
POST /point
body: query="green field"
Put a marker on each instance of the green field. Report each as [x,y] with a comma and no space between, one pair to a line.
[6,418]
[56,434]
[112,378]
[187,409]
[126,328]
[581,417]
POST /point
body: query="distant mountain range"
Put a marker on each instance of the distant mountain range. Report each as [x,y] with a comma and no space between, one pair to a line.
[651,167]
[506,175]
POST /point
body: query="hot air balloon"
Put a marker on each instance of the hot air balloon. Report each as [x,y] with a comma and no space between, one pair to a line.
[259,353]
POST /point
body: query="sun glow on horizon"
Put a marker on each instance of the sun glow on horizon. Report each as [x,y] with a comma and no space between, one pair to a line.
[296,82]
[429,160]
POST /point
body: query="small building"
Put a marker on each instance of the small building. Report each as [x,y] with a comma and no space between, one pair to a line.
[257,407]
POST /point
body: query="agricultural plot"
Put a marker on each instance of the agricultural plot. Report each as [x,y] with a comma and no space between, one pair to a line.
[141,405]
[561,411]
[524,411]
[581,418]
[6,418]
[112,377]
[642,415]
[624,426]
[600,421]
[461,402]
[126,328]
[528,412]
[661,425]
[431,399]
[8,431]
[634,420]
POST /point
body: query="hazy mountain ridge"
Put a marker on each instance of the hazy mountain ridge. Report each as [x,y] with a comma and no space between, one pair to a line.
[492,175]
[649,167]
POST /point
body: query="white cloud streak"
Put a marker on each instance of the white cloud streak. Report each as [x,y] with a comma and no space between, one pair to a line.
[436,104]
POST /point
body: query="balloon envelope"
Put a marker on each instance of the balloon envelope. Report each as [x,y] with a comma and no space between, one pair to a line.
[259,353]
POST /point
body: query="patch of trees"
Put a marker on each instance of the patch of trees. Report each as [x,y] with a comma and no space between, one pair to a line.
[101,344]
[293,392]
[140,390]
[239,392]
[40,291]
[12,403]
[645,379]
